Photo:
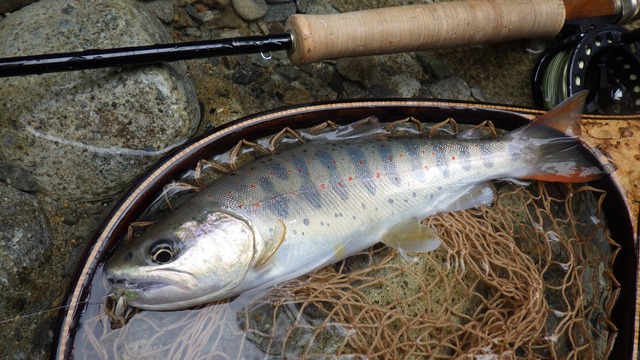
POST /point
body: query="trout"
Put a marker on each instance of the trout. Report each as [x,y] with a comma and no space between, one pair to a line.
[290,213]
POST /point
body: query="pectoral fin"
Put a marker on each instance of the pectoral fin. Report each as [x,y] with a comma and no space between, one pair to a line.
[273,245]
[411,236]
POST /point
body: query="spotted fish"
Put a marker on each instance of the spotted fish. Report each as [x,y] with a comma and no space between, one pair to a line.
[287,214]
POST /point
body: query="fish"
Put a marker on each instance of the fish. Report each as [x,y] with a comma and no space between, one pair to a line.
[288,214]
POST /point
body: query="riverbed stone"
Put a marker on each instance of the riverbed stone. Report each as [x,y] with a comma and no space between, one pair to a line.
[250,10]
[87,134]
[25,243]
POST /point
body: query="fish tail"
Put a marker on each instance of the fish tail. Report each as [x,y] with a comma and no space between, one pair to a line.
[559,153]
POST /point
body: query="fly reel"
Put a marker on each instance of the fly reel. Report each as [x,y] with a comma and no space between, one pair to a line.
[603,60]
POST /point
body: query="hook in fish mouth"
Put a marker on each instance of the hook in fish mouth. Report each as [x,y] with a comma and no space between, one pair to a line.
[116,307]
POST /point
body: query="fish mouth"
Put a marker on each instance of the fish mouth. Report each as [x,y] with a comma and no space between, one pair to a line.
[133,289]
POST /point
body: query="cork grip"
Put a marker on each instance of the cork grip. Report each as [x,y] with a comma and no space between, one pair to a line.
[421,27]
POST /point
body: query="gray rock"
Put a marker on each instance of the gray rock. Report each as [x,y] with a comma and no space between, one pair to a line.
[216,4]
[434,67]
[405,85]
[25,241]
[13,5]
[162,9]
[250,10]
[200,16]
[315,7]
[452,88]
[244,75]
[86,135]
[290,73]
[17,177]
[280,12]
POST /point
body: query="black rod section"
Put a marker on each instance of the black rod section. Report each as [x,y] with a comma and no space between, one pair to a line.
[137,55]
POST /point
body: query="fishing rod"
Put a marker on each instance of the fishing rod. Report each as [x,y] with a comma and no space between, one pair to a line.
[311,38]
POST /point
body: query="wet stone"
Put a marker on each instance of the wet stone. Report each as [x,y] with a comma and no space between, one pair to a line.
[162,9]
[200,16]
[88,134]
[17,177]
[434,67]
[280,11]
[216,4]
[290,73]
[25,242]
[453,88]
[245,75]
[250,10]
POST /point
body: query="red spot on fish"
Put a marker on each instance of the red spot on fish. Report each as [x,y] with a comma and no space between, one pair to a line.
[228,192]
[426,167]
[339,184]
[323,187]
[360,163]
[390,158]
[400,154]
[423,152]
[377,175]
[256,205]
[289,171]
[240,206]
[333,161]
[453,158]
[299,170]
[350,178]
[253,186]
[271,173]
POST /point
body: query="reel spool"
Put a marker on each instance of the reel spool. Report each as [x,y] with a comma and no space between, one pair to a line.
[603,60]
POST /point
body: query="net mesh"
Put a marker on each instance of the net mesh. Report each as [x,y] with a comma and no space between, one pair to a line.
[528,277]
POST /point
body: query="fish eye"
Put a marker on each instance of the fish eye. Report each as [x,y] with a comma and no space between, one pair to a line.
[163,252]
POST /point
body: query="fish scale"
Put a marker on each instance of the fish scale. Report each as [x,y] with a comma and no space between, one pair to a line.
[290,213]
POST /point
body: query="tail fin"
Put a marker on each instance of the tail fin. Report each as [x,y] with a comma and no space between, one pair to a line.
[560,154]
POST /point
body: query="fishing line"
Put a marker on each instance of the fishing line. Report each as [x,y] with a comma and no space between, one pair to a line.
[37,313]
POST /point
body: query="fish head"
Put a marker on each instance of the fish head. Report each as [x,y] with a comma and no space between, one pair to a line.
[178,264]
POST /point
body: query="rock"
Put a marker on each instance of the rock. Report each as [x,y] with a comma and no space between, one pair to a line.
[280,11]
[290,73]
[297,95]
[13,5]
[25,242]
[17,177]
[434,67]
[200,16]
[245,75]
[227,19]
[405,85]
[381,91]
[216,4]
[162,9]
[250,10]
[452,88]
[87,134]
